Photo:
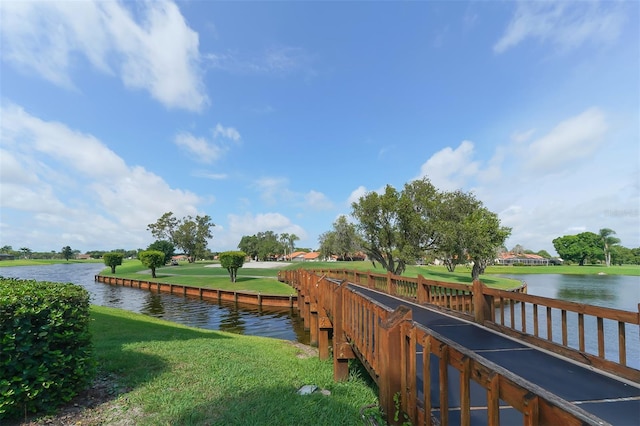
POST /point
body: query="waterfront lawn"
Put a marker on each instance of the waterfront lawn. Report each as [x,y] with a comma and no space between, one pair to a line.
[631,270]
[37,262]
[181,375]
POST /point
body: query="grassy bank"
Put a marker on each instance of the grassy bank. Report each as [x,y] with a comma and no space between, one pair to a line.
[186,376]
[264,280]
[632,270]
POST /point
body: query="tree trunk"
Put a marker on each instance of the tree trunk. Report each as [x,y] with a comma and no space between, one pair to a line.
[113,269]
[153,272]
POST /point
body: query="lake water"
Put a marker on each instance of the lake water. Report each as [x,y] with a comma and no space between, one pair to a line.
[611,291]
[241,319]
[620,292]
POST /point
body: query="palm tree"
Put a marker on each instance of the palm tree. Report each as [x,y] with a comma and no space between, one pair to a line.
[608,241]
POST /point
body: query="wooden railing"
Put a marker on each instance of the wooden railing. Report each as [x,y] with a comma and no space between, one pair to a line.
[538,320]
[387,341]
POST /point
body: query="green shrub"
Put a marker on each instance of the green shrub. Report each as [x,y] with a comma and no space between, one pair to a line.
[46,356]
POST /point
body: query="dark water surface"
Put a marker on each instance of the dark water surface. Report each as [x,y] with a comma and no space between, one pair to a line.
[241,319]
[610,291]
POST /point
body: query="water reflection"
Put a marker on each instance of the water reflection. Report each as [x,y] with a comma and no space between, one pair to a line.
[245,319]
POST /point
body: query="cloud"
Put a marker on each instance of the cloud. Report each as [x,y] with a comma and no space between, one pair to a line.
[275,60]
[273,189]
[450,169]
[203,150]
[315,200]
[158,52]
[226,132]
[356,194]
[571,140]
[64,182]
[564,25]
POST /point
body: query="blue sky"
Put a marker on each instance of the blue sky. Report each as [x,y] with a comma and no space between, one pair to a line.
[277,115]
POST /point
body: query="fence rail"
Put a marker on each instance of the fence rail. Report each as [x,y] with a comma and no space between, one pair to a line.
[387,342]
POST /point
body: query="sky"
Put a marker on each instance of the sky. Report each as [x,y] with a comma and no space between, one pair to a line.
[278,115]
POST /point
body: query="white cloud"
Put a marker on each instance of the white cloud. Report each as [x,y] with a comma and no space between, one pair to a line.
[565,25]
[273,190]
[275,60]
[157,53]
[562,182]
[450,169]
[571,140]
[207,151]
[64,182]
[226,132]
[317,201]
[356,194]
[199,148]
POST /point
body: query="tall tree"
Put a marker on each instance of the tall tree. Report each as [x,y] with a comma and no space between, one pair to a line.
[608,241]
[284,241]
[249,245]
[189,234]
[67,253]
[578,248]
[451,223]
[397,227]
[483,237]
[26,252]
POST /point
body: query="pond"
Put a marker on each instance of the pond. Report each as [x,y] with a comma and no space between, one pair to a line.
[610,291]
[241,319]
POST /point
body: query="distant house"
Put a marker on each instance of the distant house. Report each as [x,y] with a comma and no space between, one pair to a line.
[508,259]
[303,256]
[313,256]
[83,256]
[180,258]
[5,256]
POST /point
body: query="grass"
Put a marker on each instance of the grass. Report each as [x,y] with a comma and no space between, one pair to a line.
[186,376]
[632,270]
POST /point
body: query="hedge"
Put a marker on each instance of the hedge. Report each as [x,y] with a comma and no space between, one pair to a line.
[47,355]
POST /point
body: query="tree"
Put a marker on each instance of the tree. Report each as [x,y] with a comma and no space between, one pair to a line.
[342,241]
[112,260]
[544,253]
[232,261]
[152,259]
[284,241]
[26,252]
[189,234]
[249,245]
[453,210]
[482,238]
[67,253]
[608,241]
[578,248]
[6,249]
[397,227]
[164,246]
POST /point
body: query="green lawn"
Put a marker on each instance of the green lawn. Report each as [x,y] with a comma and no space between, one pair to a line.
[186,376]
[633,270]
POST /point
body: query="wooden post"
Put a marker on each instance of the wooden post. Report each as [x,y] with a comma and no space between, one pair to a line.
[389,283]
[342,351]
[324,325]
[313,324]
[481,309]
[390,352]
[421,291]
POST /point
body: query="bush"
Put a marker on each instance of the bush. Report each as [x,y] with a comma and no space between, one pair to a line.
[46,356]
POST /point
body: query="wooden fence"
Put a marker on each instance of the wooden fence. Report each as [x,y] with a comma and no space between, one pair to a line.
[270,300]
[387,341]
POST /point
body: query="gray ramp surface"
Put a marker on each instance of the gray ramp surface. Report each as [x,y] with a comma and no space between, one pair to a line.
[610,399]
